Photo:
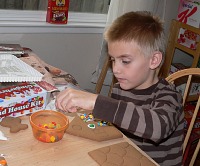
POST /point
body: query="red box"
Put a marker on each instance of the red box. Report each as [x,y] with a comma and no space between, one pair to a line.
[195,134]
[57,11]
[189,110]
[191,146]
[22,99]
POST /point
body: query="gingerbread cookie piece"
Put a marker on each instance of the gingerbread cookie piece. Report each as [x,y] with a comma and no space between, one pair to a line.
[80,128]
[14,123]
[120,154]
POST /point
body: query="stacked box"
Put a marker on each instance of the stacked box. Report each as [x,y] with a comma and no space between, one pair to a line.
[22,99]
[176,67]
[189,111]
[188,13]
[191,146]
[195,86]
[195,134]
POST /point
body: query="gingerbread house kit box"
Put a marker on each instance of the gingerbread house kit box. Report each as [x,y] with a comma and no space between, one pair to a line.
[22,99]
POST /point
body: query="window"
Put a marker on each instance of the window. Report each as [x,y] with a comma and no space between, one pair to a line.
[91,6]
[29,16]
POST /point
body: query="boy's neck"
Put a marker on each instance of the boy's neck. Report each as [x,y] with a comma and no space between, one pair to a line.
[152,79]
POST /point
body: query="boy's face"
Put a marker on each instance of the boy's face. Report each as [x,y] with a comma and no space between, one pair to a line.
[130,66]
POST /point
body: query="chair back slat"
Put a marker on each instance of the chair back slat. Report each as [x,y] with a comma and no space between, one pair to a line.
[187,87]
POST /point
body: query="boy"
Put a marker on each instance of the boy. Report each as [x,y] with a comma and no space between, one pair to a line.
[145,108]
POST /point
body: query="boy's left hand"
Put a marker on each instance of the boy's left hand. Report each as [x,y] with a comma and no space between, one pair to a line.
[71,99]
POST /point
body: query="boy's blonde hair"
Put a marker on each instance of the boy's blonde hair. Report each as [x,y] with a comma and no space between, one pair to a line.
[141,27]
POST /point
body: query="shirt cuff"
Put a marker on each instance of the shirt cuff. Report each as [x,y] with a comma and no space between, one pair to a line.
[105,108]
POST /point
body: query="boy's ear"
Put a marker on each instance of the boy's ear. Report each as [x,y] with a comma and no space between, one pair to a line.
[155,60]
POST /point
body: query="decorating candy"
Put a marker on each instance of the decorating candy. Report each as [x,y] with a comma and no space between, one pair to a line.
[90,117]
[51,125]
[3,162]
[87,118]
[51,136]
[91,126]
[103,123]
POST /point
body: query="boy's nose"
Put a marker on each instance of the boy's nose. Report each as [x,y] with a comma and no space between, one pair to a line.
[115,69]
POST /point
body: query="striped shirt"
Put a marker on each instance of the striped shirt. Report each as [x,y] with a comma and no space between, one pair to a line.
[152,118]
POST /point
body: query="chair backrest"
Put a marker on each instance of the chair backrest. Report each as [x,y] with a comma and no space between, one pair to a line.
[102,75]
[107,64]
[175,42]
[189,74]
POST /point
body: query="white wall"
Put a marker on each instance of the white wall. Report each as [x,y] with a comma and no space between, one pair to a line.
[77,54]
[171,11]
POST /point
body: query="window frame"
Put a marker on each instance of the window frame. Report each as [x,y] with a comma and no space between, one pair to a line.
[24,21]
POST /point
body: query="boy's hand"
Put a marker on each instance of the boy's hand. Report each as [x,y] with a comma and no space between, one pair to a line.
[71,99]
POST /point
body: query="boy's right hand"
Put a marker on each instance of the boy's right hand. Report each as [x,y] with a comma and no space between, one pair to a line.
[71,99]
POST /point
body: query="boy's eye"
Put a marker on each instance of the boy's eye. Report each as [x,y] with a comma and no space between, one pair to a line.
[126,61]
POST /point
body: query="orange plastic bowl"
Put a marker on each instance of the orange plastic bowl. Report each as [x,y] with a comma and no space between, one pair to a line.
[48,126]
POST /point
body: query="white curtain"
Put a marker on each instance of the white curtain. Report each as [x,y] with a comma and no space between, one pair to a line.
[119,7]
[116,9]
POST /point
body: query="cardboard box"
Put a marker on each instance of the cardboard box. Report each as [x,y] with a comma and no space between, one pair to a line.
[188,38]
[189,111]
[21,99]
[176,67]
[195,134]
[189,12]
[191,146]
[57,11]
[195,86]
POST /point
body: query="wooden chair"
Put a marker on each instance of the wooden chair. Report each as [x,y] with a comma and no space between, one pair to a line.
[107,64]
[173,44]
[189,73]
[102,75]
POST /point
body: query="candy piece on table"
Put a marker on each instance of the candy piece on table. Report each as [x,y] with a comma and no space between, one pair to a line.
[103,123]
[91,126]
[3,161]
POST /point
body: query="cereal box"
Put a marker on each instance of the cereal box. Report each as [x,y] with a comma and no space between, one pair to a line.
[188,38]
[57,11]
[189,12]
[22,99]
